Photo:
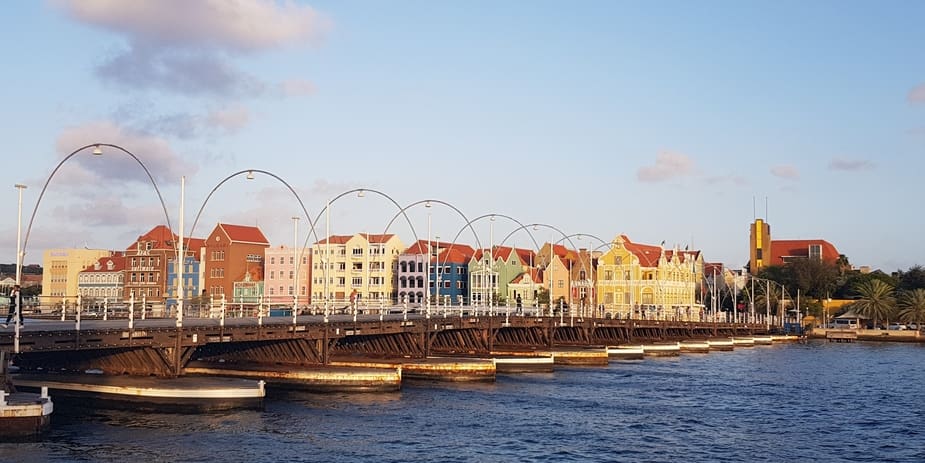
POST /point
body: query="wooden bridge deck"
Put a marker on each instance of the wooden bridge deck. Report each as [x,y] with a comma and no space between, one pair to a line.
[158,347]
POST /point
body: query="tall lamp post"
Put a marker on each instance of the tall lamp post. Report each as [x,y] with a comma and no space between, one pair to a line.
[19,256]
[295,268]
[19,253]
[429,258]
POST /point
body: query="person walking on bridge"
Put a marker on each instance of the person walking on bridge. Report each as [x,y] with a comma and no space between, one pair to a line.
[15,306]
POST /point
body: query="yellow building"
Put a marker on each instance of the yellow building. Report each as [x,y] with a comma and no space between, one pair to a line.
[644,281]
[61,268]
[362,264]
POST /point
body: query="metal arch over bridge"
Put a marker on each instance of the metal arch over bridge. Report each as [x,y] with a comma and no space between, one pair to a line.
[157,348]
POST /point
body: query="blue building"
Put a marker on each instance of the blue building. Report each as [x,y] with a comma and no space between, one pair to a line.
[421,264]
[190,280]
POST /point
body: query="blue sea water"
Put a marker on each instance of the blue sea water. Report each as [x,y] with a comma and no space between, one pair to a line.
[815,402]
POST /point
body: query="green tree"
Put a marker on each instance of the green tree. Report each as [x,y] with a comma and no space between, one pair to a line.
[912,306]
[542,297]
[845,289]
[914,278]
[813,277]
[876,300]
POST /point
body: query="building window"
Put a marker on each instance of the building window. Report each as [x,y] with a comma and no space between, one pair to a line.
[356,281]
[815,251]
[357,252]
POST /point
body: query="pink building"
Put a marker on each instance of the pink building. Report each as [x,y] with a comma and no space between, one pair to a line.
[279,276]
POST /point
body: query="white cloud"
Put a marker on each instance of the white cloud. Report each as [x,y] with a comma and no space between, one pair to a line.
[917,94]
[667,165]
[186,46]
[241,25]
[154,152]
[850,164]
[785,171]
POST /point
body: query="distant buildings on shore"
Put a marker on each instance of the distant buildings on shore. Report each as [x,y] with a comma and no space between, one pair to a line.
[237,264]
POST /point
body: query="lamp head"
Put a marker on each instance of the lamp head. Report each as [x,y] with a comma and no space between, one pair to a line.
[97,151]
[361,193]
[250,175]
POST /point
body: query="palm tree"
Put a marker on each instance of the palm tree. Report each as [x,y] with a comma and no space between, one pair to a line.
[876,300]
[912,306]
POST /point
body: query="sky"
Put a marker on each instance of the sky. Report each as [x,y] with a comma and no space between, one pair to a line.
[668,121]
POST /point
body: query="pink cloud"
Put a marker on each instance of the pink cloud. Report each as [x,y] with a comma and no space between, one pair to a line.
[667,165]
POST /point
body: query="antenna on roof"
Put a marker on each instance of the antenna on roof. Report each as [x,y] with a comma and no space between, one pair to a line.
[765,208]
[754,214]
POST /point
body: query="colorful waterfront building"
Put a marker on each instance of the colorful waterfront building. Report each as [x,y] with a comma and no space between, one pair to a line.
[524,289]
[763,251]
[491,270]
[61,270]
[146,264]
[231,252]
[103,280]
[556,261]
[362,267]
[191,275]
[645,281]
[428,265]
[279,275]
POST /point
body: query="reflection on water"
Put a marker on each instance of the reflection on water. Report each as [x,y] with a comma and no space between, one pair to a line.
[798,402]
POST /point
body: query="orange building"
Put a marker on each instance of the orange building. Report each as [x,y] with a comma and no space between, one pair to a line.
[763,251]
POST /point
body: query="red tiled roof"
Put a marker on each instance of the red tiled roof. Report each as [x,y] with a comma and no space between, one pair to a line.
[560,250]
[243,234]
[118,264]
[709,267]
[800,248]
[420,247]
[526,256]
[163,239]
[648,255]
[534,274]
[453,256]
[335,239]
[194,244]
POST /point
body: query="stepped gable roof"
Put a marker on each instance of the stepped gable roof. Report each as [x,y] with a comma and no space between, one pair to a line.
[335,239]
[526,256]
[243,234]
[647,254]
[682,255]
[781,249]
[118,264]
